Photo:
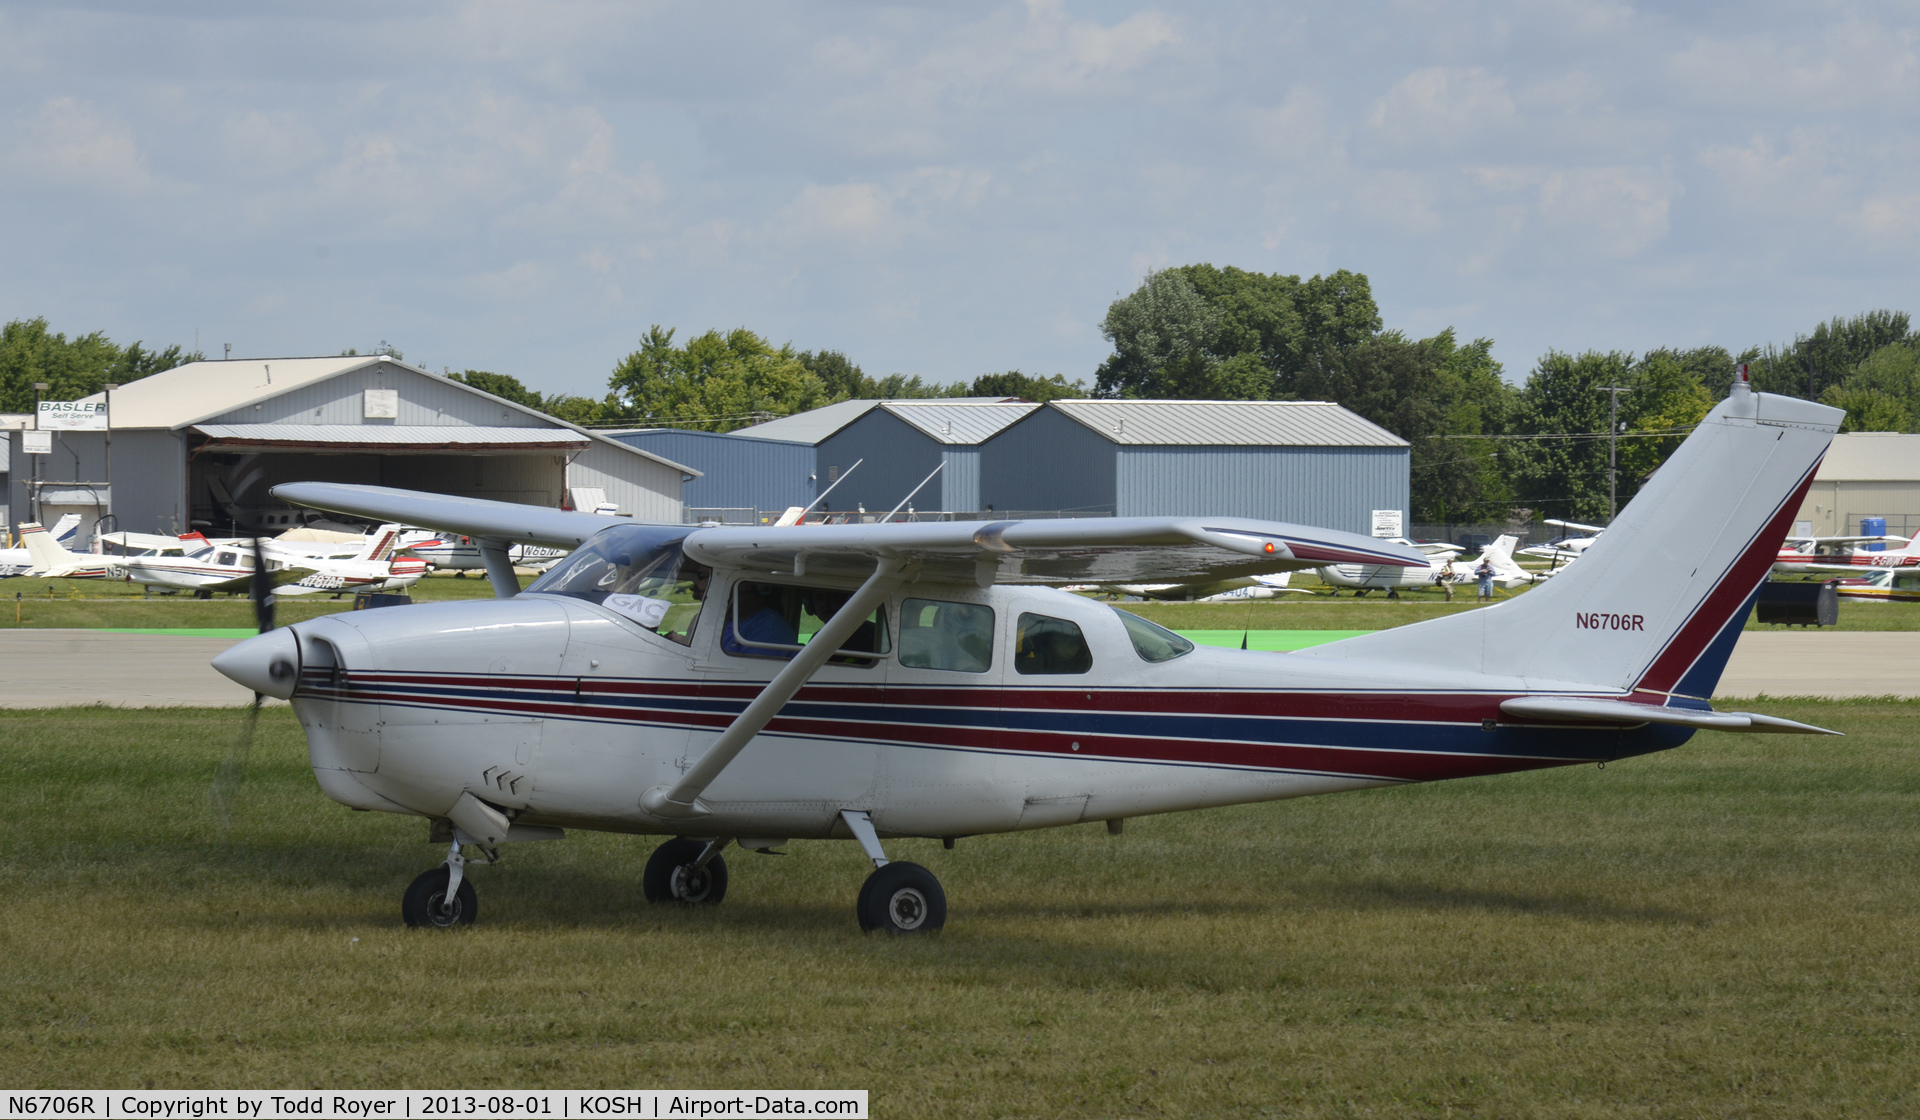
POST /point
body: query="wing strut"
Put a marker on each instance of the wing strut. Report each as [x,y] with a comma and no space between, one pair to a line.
[499,567]
[681,801]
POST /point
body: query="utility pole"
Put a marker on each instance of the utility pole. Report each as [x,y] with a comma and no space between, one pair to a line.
[1613,445]
[110,388]
[39,387]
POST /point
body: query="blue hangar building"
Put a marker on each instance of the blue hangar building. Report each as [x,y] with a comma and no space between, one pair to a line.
[1308,462]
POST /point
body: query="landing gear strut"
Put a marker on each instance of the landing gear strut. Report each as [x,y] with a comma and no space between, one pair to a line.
[441,898]
[897,897]
[690,871]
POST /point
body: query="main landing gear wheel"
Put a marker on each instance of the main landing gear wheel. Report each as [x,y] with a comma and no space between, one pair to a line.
[902,898]
[425,905]
[674,874]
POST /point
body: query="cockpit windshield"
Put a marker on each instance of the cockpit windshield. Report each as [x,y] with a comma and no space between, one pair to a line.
[636,571]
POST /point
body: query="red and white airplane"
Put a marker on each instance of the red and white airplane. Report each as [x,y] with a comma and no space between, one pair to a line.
[1845,554]
[752,684]
[205,567]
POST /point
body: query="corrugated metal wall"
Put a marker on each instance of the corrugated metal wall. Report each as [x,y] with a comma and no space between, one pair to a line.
[423,400]
[1047,461]
[1835,508]
[1331,487]
[738,473]
[959,481]
[641,487]
[897,456]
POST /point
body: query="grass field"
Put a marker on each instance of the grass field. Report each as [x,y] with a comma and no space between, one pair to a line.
[1729,929]
[104,605]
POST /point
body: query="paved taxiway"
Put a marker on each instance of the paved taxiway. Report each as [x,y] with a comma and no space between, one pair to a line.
[50,668]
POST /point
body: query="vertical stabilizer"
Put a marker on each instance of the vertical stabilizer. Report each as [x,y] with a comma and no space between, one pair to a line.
[48,557]
[1658,600]
[380,544]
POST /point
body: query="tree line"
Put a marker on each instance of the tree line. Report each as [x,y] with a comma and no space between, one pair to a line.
[1482,448]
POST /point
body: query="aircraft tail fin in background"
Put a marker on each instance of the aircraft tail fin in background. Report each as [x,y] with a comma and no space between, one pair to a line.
[380,544]
[63,529]
[1656,603]
[47,555]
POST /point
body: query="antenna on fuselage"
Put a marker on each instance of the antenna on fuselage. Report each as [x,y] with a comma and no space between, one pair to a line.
[828,490]
[911,493]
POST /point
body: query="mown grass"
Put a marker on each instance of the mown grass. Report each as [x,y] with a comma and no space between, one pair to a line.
[89,604]
[1724,930]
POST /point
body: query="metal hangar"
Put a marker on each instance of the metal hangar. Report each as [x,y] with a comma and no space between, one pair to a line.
[201,444]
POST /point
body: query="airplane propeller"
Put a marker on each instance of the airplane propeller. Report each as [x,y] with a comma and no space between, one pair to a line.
[233,770]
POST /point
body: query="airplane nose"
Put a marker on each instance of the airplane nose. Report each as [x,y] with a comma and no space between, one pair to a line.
[269,663]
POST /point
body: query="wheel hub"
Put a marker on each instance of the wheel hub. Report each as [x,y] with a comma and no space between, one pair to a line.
[690,883]
[907,908]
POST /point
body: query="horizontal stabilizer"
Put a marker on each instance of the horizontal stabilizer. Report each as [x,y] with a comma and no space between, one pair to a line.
[1573,709]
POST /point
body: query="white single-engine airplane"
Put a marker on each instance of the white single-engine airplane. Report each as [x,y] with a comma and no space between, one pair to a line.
[1846,554]
[50,559]
[1441,567]
[755,684]
[20,561]
[206,567]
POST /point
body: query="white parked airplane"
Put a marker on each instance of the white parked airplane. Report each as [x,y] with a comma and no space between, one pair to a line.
[206,567]
[450,551]
[51,561]
[1566,548]
[1211,591]
[662,681]
[1441,569]
[19,561]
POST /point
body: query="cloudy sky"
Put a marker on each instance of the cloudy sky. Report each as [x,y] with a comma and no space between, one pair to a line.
[943,188]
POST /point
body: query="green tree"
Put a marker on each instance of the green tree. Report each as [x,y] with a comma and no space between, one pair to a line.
[845,381]
[501,385]
[1880,389]
[1427,393]
[1039,390]
[717,382]
[1812,363]
[1201,332]
[73,368]
[1869,410]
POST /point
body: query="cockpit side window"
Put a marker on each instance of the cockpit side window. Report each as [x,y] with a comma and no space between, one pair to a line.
[941,635]
[638,572]
[777,620]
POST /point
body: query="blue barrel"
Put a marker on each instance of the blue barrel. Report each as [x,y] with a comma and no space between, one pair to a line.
[1874,527]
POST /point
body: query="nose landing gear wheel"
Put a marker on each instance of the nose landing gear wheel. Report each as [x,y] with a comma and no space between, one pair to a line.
[425,905]
[902,898]
[674,874]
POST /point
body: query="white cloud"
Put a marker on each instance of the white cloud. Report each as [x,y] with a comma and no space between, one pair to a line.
[1442,106]
[69,142]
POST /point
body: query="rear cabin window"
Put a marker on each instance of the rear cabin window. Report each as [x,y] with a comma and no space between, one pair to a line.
[1153,642]
[777,620]
[1046,646]
[941,635]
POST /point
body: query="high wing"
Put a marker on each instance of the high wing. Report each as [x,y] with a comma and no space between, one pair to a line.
[1081,550]
[1051,551]
[468,517]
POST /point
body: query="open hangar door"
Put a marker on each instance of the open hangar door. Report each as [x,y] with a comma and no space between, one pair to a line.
[229,481]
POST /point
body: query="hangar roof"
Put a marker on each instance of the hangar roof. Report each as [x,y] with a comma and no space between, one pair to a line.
[185,395]
[1872,457]
[821,423]
[179,396]
[1228,423]
[959,421]
[390,438]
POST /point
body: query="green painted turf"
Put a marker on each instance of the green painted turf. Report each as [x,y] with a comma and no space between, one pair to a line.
[1727,929]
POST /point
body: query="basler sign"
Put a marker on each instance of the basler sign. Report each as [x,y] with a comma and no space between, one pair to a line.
[73,416]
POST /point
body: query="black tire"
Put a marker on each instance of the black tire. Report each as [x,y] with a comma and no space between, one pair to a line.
[902,898]
[420,907]
[671,877]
